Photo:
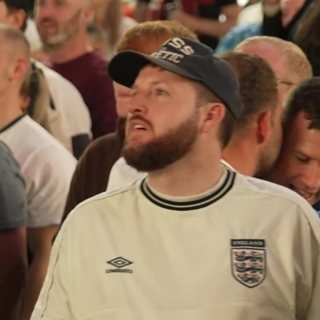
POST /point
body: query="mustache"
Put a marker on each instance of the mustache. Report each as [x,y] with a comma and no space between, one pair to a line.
[138,117]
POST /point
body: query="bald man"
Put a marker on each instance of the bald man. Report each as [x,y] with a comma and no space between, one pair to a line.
[62,29]
[39,155]
[286,59]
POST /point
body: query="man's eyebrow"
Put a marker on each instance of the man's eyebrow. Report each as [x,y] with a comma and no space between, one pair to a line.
[153,83]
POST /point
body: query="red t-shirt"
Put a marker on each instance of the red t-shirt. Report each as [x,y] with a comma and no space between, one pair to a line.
[88,73]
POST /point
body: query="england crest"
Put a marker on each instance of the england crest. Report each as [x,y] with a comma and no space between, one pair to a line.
[249,261]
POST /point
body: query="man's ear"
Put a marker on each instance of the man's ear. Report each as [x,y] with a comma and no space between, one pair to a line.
[19,69]
[17,19]
[263,127]
[213,114]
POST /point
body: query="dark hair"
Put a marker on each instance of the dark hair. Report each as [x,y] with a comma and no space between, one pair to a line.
[307,35]
[305,98]
[204,95]
[12,10]
[258,87]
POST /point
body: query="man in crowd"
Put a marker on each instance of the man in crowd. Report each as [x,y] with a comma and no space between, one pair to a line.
[13,239]
[256,139]
[289,65]
[286,59]
[46,165]
[68,115]
[192,226]
[298,166]
[62,28]
[92,172]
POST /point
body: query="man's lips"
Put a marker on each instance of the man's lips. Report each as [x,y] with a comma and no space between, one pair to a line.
[135,125]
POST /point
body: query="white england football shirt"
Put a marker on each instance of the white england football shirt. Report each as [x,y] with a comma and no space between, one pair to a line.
[47,168]
[247,250]
[122,174]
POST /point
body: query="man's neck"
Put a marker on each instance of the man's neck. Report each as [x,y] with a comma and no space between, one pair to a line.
[242,157]
[10,109]
[77,48]
[192,175]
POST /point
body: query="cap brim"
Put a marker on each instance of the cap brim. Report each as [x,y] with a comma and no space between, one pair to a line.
[125,67]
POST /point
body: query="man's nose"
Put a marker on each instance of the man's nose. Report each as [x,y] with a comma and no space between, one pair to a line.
[138,103]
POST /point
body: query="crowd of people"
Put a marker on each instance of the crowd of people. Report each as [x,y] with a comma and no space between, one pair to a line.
[161,162]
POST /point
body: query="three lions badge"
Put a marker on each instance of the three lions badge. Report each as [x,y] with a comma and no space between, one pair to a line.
[248,261]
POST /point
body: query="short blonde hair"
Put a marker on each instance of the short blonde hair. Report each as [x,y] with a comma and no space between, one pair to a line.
[147,37]
[296,61]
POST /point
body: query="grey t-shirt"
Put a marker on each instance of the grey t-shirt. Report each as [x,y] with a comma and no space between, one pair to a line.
[13,200]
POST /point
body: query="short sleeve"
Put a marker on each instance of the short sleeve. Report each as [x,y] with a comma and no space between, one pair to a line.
[50,172]
[13,200]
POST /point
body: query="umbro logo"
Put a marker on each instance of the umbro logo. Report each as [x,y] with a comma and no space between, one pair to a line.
[119,263]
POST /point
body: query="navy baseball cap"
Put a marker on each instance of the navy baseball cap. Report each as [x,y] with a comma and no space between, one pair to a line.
[19,4]
[187,58]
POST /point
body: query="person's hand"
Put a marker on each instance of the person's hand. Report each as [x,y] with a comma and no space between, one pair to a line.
[185,19]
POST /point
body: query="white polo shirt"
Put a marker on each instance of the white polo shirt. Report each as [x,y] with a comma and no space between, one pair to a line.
[69,117]
[47,168]
[246,250]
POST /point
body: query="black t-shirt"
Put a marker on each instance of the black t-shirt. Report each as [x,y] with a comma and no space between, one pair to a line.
[208,9]
[211,9]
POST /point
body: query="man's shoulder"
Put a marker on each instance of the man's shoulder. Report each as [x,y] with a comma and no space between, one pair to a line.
[68,109]
[260,186]
[273,199]
[40,144]
[52,76]
[60,87]
[267,190]
[106,200]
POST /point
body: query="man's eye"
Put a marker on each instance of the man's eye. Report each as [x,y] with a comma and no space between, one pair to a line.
[161,92]
[302,159]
